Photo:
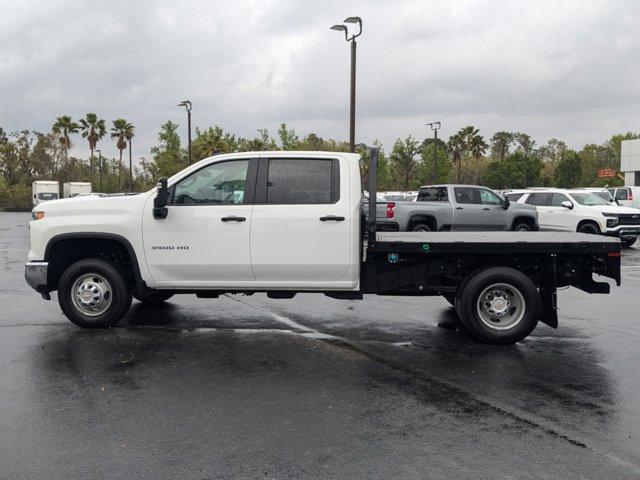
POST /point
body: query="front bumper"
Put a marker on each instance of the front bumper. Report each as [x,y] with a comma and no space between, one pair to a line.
[624,231]
[35,273]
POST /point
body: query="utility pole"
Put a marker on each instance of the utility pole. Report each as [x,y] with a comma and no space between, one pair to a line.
[130,168]
[435,126]
[100,167]
[352,86]
[187,105]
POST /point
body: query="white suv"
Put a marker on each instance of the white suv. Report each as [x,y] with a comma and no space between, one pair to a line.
[573,211]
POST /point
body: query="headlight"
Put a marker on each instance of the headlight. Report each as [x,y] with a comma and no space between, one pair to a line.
[612,219]
[37,215]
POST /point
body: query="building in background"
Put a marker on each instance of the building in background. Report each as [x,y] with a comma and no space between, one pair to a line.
[630,162]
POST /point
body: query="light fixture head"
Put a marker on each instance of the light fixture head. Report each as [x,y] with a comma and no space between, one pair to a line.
[353,20]
[339,28]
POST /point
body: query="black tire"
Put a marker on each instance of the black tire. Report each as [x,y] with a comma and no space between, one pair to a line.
[154,298]
[589,227]
[626,242]
[522,227]
[107,274]
[518,287]
[421,227]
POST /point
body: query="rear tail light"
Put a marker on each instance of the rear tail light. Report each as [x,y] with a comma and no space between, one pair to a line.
[390,207]
[630,194]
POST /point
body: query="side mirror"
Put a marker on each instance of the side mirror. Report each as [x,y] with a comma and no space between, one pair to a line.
[160,209]
[567,204]
[506,203]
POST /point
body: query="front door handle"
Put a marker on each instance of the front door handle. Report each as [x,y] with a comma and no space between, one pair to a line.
[486,208]
[331,218]
[459,208]
[233,218]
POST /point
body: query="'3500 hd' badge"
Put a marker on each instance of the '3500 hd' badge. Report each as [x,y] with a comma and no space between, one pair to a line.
[169,247]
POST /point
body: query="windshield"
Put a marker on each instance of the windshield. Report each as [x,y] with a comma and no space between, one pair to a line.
[605,196]
[588,199]
[47,196]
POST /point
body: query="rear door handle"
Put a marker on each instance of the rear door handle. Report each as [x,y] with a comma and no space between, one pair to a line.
[331,218]
[233,218]
[459,208]
[486,208]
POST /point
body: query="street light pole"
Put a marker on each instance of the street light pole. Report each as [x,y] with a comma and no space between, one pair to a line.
[187,105]
[130,168]
[100,167]
[435,126]
[352,89]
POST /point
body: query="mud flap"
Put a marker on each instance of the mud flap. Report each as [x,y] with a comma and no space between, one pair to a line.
[548,294]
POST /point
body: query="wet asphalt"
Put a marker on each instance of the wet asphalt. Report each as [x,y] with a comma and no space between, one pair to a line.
[250,387]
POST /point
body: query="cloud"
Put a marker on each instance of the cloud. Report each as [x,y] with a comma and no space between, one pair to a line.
[552,69]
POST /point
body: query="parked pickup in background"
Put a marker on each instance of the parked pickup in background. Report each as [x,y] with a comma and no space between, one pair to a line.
[456,207]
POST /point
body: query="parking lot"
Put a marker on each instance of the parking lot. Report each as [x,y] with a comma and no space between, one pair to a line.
[250,387]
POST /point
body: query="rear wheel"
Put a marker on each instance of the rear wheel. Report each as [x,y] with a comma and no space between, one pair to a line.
[499,305]
[93,293]
[154,298]
[421,227]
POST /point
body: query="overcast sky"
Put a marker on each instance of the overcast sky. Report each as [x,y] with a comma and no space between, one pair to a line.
[564,69]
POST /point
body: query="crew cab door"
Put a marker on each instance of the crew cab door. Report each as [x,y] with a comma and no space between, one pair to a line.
[559,217]
[494,216]
[542,202]
[302,224]
[204,241]
[467,213]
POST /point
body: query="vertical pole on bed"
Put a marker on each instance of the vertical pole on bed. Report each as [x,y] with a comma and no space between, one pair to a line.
[373,187]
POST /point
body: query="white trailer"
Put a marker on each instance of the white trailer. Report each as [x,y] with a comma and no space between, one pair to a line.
[44,190]
[73,189]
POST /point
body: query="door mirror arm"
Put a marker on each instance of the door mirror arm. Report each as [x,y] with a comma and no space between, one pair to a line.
[506,203]
[160,209]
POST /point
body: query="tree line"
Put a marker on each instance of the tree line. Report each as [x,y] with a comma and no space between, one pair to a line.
[506,160]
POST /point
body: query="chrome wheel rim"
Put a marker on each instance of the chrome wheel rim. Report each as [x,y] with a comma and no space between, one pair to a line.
[91,294]
[501,306]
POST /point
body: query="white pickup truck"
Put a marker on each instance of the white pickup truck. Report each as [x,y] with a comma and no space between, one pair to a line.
[289,222]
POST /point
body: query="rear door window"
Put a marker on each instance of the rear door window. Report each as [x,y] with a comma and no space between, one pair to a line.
[514,197]
[301,181]
[466,195]
[433,194]
[539,199]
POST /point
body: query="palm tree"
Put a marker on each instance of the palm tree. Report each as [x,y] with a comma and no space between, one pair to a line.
[477,147]
[121,130]
[62,128]
[457,146]
[500,144]
[93,129]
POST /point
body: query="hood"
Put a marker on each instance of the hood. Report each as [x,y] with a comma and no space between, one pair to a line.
[611,209]
[90,203]
[522,206]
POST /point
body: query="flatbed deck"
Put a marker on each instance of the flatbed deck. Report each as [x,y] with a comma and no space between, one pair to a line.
[501,243]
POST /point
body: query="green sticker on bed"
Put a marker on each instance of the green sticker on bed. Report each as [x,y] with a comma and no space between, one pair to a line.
[425,247]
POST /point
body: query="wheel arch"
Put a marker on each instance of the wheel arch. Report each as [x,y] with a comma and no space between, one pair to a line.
[92,244]
[523,218]
[428,219]
[585,221]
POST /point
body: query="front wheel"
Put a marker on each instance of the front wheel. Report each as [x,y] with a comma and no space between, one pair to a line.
[590,228]
[522,227]
[499,305]
[92,293]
